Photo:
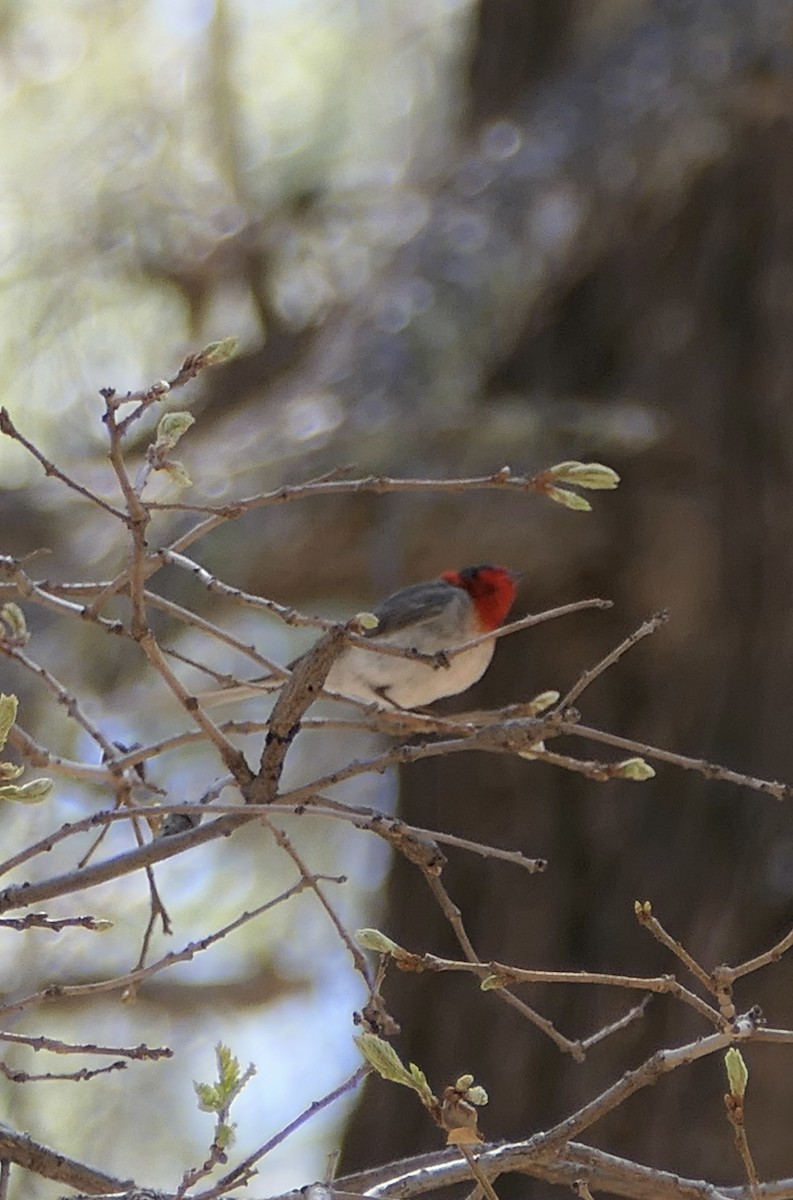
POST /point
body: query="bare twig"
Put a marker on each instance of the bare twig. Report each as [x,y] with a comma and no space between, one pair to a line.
[780,791]
[81,1076]
[589,676]
[735,1115]
[10,430]
[730,974]
[34,1156]
[648,921]
[633,1014]
[483,970]
[134,978]
[57,1047]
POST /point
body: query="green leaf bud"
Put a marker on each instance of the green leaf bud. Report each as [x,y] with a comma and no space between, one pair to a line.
[568,499]
[585,475]
[171,427]
[177,473]
[737,1072]
[385,1060]
[219,352]
[366,620]
[12,616]
[373,939]
[634,768]
[27,793]
[8,714]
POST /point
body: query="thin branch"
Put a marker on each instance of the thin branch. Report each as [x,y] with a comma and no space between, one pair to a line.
[136,520]
[528,622]
[482,970]
[232,758]
[652,1069]
[310,881]
[478,1174]
[390,828]
[65,699]
[56,924]
[633,1014]
[22,1149]
[730,974]
[502,479]
[134,978]
[10,430]
[243,1170]
[83,1075]
[38,756]
[735,1115]
[214,631]
[589,676]
[780,791]
[651,923]
[39,594]
[499,975]
[58,1047]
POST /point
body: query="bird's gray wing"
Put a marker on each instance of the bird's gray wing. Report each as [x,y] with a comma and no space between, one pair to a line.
[411,605]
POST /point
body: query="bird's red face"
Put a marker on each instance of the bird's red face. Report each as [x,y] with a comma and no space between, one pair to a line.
[492,590]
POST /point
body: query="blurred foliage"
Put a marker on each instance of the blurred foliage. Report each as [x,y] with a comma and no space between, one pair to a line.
[176,169]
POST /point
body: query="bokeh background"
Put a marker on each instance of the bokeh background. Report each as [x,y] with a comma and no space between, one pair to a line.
[449,235]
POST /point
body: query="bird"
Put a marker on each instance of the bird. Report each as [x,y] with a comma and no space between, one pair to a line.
[430,617]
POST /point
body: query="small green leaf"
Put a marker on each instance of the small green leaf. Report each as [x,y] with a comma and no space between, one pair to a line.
[366,620]
[384,1059]
[8,714]
[491,983]
[8,772]
[171,427]
[27,793]
[219,352]
[218,1097]
[13,618]
[585,475]
[634,768]
[177,473]
[224,1135]
[420,1084]
[543,701]
[737,1072]
[373,939]
[228,1072]
[208,1099]
[568,499]
[477,1095]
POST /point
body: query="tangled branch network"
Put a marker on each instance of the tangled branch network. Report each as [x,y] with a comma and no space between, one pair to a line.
[162,824]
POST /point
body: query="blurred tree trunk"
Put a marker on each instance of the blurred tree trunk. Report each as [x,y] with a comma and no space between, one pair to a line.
[688,310]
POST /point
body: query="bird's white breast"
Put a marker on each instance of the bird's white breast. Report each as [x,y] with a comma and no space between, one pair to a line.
[385,679]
